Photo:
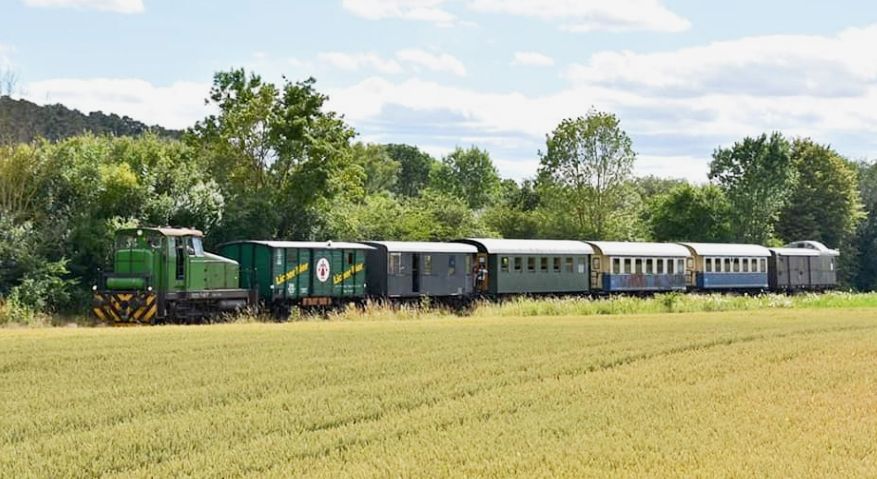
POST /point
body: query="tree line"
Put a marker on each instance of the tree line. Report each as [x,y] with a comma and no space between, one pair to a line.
[274,162]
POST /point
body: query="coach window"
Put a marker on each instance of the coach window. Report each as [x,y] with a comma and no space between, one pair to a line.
[543,264]
[638,266]
[745,265]
[628,266]
[531,264]
[556,264]
[569,265]
[660,266]
[708,265]
[583,264]
[670,266]
[762,265]
[395,263]
[616,265]
[519,264]
[680,266]
[452,265]
[504,264]
[650,266]
[736,265]
[427,264]
[727,267]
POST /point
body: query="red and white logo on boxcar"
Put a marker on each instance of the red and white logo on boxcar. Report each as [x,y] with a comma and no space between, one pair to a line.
[323,270]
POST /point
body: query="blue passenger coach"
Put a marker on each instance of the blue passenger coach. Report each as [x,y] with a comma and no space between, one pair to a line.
[638,267]
[729,266]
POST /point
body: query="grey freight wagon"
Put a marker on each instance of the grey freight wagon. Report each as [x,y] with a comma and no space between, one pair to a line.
[397,269]
[803,265]
[515,266]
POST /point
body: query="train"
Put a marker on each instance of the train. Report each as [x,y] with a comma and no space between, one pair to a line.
[163,275]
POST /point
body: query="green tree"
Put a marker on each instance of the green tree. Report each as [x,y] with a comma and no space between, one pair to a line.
[585,173]
[381,170]
[280,144]
[414,168]
[468,174]
[691,213]
[825,204]
[758,176]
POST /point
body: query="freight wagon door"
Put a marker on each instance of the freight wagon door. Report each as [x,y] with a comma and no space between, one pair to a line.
[325,264]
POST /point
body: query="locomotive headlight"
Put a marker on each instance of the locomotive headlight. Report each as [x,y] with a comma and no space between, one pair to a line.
[149,289]
[94,287]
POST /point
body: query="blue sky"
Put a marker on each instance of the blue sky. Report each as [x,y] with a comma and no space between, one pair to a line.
[684,76]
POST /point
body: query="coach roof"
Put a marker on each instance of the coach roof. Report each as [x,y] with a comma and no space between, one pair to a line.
[423,247]
[304,244]
[530,247]
[727,249]
[616,248]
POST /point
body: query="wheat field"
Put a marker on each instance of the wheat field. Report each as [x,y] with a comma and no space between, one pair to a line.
[789,393]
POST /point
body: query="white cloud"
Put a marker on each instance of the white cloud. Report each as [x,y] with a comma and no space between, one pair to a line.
[178,105]
[117,6]
[358,61]
[532,59]
[422,10]
[591,15]
[572,15]
[677,105]
[770,66]
[441,62]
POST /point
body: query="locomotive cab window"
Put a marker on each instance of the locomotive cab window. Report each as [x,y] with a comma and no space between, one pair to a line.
[504,264]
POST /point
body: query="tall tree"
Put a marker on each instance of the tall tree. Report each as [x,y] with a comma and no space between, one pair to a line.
[691,213]
[586,166]
[414,168]
[280,144]
[381,170]
[758,176]
[825,204]
[468,174]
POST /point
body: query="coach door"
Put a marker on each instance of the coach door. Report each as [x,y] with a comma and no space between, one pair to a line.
[597,273]
[482,273]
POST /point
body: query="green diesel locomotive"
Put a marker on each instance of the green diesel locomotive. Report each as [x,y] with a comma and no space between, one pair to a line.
[164,275]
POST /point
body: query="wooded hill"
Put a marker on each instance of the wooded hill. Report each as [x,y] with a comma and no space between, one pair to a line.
[22,121]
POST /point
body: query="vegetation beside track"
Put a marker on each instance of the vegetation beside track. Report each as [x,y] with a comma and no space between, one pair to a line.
[768,393]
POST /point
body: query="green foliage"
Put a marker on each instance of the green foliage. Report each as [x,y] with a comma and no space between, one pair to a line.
[414,169]
[381,170]
[758,176]
[279,144]
[825,204]
[468,174]
[691,213]
[585,173]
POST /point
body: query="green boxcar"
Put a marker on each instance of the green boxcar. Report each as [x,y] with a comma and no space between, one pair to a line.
[289,273]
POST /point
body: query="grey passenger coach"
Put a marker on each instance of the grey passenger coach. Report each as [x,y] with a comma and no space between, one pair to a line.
[514,266]
[397,269]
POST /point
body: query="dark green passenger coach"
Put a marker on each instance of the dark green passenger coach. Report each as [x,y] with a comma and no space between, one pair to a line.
[287,273]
